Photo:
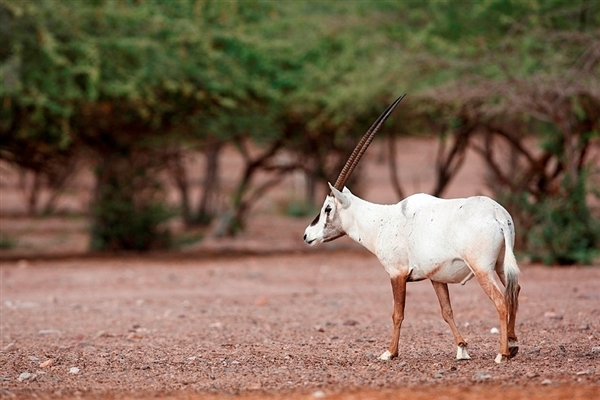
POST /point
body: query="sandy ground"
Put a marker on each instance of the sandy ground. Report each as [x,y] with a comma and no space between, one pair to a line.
[304,325]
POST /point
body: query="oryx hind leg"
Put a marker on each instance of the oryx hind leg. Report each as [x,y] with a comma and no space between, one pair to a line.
[441,290]
[490,287]
[513,342]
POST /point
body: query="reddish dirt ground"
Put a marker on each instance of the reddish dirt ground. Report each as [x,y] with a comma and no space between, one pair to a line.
[263,316]
[304,325]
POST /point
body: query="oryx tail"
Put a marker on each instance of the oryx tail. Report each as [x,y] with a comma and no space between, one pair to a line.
[510,267]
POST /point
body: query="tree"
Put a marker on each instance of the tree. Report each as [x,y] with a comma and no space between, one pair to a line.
[136,87]
[546,84]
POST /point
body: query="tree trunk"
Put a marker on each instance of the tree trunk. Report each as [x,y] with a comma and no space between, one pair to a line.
[207,206]
[395,180]
[177,169]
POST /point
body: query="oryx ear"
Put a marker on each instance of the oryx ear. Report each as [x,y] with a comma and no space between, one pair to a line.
[341,197]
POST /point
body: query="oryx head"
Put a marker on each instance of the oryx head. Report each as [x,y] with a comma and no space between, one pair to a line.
[327,226]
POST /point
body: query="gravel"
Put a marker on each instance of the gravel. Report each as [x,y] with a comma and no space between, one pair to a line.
[310,325]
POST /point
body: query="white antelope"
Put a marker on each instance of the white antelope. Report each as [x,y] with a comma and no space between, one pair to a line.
[424,237]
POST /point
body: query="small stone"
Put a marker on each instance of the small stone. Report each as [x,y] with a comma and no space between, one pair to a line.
[74,370]
[481,377]
[494,331]
[47,363]
[102,334]
[532,374]
[584,327]
[546,382]
[319,328]
[350,322]
[27,376]
[10,347]
[252,386]
[319,394]
[595,349]
[552,315]
[438,375]
[586,372]
[261,301]
[42,332]
[134,335]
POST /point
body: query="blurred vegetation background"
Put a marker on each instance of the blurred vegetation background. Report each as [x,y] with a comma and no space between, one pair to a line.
[131,87]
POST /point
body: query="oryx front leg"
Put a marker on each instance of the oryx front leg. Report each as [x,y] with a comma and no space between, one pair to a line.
[399,294]
[441,290]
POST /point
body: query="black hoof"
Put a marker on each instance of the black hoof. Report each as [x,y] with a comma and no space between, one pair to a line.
[513,350]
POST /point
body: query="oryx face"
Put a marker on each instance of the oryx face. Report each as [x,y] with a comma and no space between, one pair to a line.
[327,225]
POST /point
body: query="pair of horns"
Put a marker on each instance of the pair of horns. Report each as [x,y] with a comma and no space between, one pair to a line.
[361,147]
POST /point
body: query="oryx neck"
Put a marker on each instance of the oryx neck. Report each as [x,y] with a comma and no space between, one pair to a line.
[364,220]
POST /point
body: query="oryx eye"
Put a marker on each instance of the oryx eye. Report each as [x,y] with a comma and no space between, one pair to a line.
[327,209]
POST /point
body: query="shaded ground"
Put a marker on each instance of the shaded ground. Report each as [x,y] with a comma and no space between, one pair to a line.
[304,325]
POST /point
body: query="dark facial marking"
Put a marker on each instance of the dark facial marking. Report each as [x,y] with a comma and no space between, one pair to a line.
[315,221]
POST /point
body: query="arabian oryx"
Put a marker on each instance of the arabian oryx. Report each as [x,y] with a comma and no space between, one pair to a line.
[424,237]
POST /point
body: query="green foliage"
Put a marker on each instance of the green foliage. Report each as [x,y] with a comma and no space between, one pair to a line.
[563,230]
[300,209]
[186,239]
[119,225]
[7,242]
[110,77]
[128,211]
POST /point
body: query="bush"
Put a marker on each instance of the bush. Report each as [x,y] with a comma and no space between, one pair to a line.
[7,242]
[129,212]
[119,225]
[564,231]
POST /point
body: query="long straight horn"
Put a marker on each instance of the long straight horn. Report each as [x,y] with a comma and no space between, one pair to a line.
[361,147]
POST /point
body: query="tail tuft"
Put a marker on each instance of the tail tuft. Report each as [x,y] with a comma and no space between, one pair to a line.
[511,270]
